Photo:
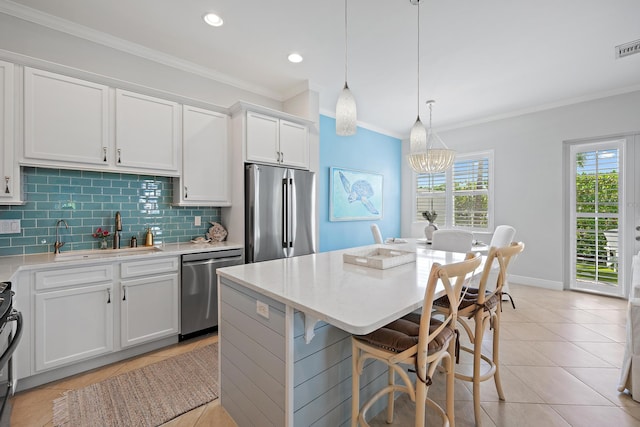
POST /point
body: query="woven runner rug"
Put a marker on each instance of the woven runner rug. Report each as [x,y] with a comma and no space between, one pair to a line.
[148,396]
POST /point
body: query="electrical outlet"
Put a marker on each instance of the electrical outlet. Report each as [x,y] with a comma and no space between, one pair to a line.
[197,221]
[9,226]
[262,309]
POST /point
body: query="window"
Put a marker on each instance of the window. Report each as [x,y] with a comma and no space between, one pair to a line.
[462,196]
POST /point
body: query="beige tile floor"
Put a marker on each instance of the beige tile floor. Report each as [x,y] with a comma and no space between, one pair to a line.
[34,408]
[561,354]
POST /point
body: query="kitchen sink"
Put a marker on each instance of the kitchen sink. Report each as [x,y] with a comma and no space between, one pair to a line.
[104,253]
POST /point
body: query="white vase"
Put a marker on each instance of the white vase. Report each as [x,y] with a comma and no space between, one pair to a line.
[103,244]
[429,229]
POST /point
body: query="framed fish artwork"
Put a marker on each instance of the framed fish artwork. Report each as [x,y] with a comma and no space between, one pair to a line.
[354,195]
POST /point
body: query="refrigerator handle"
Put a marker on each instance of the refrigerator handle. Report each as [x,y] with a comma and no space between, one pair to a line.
[291,214]
[285,214]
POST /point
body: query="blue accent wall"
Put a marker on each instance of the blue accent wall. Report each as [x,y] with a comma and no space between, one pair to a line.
[366,151]
[88,200]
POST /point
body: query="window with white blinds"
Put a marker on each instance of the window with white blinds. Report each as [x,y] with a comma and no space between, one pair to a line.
[461,196]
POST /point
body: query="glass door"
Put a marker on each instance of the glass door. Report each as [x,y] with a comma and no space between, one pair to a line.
[597,224]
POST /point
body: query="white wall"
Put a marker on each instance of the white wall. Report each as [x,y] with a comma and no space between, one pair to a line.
[529,174]
[45,44]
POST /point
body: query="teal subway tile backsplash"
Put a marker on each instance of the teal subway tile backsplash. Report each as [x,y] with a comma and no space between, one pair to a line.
[88,200]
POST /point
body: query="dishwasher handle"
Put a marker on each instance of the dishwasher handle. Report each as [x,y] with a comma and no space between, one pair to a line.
[212,261]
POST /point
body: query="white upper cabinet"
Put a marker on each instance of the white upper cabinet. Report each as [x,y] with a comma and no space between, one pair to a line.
[147,133]
[66,120]
[78,124]
[205,178]
[276,141]
[294,144]
[263,143]
[10,190]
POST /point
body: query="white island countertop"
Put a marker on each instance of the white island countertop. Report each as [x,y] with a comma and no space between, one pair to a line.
[353,298]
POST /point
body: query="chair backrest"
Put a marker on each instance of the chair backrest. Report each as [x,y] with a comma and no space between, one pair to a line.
[503,257]
[452,276]
[452,240]
[377,236]
[502,236]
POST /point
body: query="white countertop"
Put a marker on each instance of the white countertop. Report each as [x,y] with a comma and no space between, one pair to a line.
[9,265]
[356,299]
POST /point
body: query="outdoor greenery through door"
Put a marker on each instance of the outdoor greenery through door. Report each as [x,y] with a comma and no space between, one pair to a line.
[595,204]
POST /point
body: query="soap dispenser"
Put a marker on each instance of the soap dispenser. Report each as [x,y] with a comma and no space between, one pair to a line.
[148,237]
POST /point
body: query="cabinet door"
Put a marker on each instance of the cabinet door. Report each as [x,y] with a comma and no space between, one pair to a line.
[149,309]
[73,325]
[9,172]
[294,144]
[262,138]
[66,120]
[147,133]
[205,158]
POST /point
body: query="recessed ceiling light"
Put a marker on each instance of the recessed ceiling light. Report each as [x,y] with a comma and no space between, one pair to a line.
[213,19]
[295,58]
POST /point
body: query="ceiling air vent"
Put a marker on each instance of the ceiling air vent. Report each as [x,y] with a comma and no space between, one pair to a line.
[628,49]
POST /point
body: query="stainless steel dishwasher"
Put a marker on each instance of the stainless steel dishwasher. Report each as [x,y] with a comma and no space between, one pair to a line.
[199,290]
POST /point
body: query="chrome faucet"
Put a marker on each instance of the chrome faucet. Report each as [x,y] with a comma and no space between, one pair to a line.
[58,244]
[116,233]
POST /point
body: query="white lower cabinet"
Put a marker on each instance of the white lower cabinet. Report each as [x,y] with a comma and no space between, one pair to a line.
[148,309]
[72,325]
[80,312]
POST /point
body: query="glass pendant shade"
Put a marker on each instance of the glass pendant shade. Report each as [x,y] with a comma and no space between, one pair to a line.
[418,137]
[346,113]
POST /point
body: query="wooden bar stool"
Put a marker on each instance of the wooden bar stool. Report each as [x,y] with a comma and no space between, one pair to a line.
[419,342]
[483,307]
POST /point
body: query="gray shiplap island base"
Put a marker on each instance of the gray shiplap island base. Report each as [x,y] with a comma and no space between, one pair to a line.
[270,375]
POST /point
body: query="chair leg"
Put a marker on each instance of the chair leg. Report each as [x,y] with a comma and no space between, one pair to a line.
[451,377]
[477,352]
[421,398]
[390,397]
[355,385]
[496,354]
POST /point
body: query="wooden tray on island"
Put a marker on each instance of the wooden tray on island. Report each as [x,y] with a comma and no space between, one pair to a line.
[380,258]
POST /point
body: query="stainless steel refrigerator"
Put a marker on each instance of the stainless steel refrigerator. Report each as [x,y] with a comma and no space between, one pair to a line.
[279,212]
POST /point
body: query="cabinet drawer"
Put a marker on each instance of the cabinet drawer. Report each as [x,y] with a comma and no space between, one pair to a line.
[64,277]
[149,266]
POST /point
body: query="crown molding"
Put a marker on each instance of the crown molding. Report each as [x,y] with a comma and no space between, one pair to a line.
[44,19]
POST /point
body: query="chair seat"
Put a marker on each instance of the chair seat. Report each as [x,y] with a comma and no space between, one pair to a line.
[402,334]
[469,299]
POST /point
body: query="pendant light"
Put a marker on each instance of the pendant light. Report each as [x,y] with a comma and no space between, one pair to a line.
[346,105]
[428,154]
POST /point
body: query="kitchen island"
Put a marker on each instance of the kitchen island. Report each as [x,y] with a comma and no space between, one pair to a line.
[285,329]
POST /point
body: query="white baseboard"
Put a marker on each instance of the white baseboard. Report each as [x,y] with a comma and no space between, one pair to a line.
[536,282]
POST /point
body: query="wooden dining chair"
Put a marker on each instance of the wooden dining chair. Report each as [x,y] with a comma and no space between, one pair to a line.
[421,343]
[483,307]
[452,240]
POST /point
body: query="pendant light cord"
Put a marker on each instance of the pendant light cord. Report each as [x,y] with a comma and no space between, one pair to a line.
[418,99]
[346,42]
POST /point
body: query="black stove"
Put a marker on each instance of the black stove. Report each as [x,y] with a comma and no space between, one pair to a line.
[8,342]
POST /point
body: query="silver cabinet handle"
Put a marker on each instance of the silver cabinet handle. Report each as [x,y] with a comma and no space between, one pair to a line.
[278,156]
[124,293]
[6,184]
[281,157]
[108,296]
[104,154]
[186,192]
[119,155]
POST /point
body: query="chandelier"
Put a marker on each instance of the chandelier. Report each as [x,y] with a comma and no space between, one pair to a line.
[432,155]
